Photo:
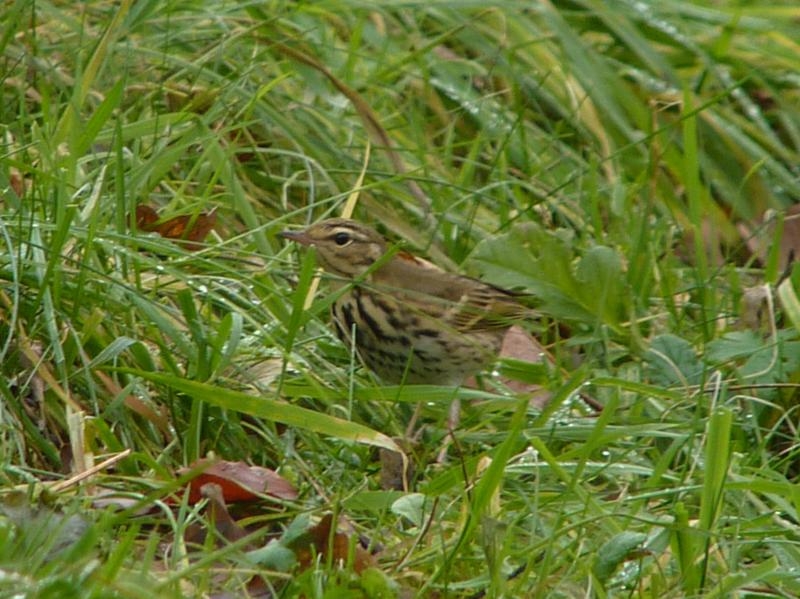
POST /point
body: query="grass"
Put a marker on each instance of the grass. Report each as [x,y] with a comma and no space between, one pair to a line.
[613,159]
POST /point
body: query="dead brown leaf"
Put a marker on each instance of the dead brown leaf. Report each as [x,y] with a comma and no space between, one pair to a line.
[760,237]
[186,229]
[521,345]
[238,481]
[219,515]
[322,539]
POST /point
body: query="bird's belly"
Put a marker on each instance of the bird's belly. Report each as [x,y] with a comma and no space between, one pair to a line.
[401,344]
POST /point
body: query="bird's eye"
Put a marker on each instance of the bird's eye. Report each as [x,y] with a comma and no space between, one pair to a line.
[341,238]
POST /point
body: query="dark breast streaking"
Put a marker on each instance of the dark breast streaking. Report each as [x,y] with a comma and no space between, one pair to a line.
[410,344]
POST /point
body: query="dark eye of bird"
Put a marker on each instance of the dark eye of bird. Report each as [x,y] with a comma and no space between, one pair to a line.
[341,238]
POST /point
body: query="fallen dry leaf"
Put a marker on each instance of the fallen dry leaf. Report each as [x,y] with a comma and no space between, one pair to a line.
[396,472]
[238,481]
[17,182]
[322,539]
[760,237]
[521,345]
[219,515]
[757,311]
[185,229]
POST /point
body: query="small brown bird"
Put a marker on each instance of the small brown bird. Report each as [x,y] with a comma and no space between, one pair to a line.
[412,322]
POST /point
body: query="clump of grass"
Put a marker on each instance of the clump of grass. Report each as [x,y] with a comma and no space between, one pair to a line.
[603,158]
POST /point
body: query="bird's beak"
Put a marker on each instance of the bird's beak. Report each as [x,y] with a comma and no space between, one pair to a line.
[300,237]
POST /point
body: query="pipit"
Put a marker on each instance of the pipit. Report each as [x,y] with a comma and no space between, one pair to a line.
[410,321]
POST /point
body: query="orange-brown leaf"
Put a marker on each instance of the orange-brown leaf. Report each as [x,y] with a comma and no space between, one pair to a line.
[187,229]
[219,515]
[318,541]
[238,481]
[146,217]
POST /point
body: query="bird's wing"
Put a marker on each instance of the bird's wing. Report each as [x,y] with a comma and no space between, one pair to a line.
[463,303]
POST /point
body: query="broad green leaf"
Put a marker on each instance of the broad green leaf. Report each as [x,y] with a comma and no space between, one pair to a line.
[615,551]
[601,283]
[734,345]
[543,263]
[672,361]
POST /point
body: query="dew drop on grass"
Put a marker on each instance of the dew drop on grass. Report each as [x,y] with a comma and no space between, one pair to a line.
[529,456]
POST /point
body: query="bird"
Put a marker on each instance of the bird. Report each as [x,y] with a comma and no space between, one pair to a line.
[410,321]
